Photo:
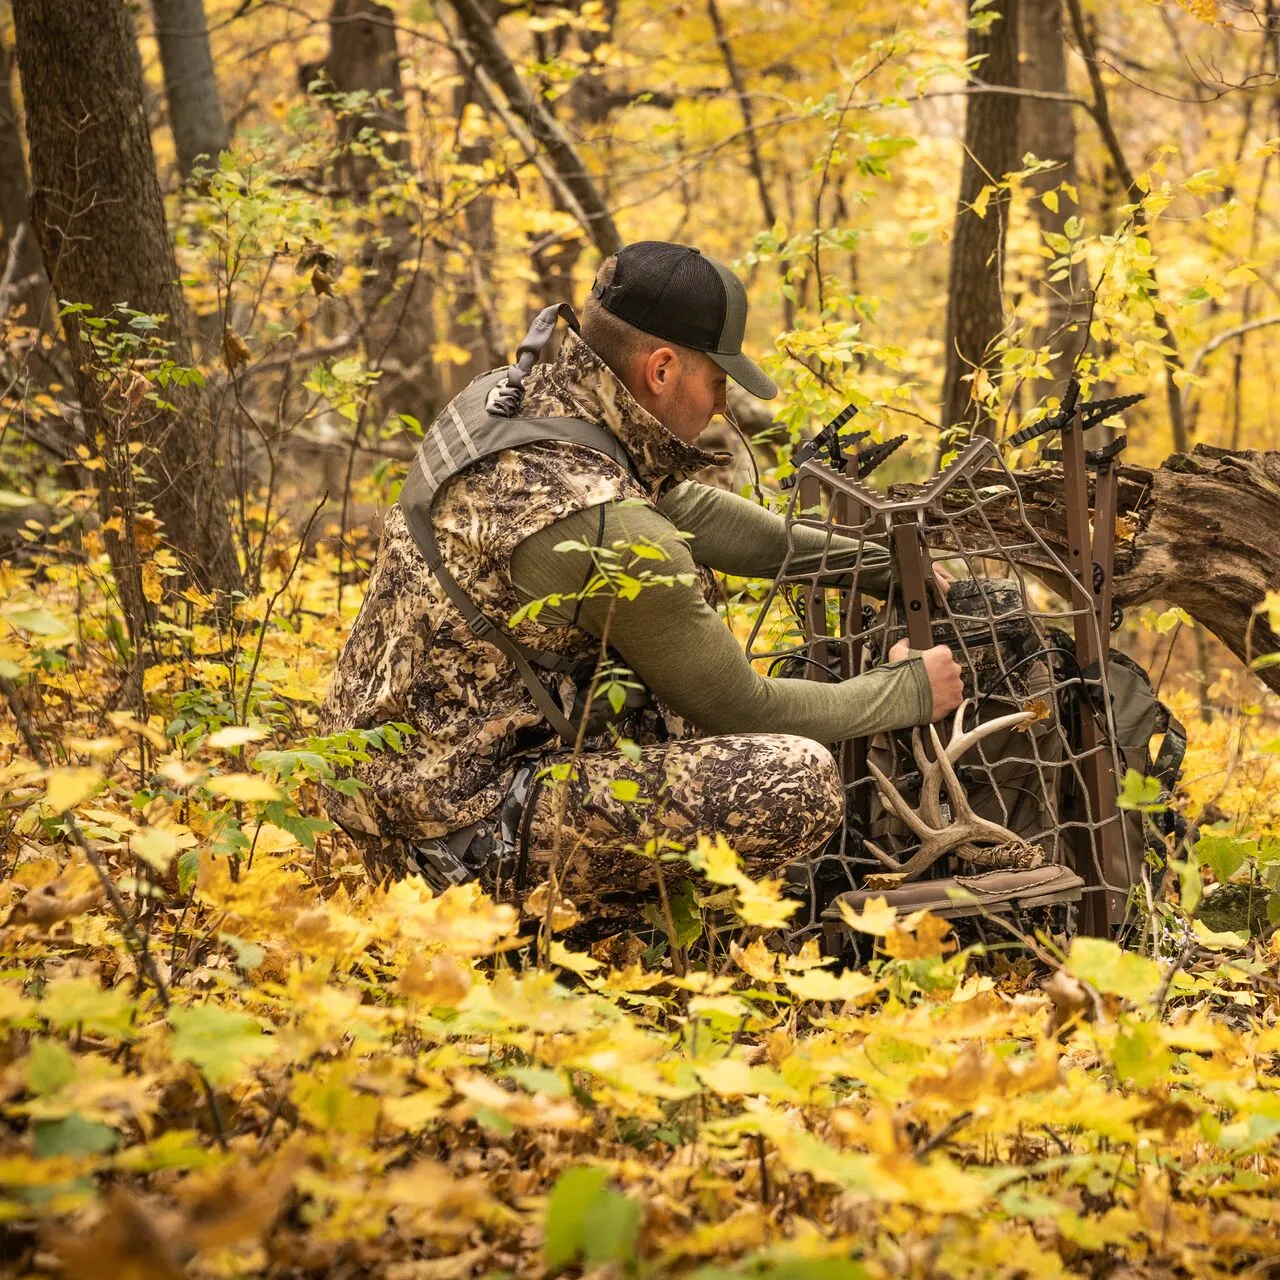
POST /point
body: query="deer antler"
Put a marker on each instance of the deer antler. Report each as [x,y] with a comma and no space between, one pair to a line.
[963,832]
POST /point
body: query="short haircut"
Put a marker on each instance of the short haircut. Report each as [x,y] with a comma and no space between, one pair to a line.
[615,341]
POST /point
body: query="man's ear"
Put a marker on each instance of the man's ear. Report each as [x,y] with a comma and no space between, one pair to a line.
[660,370]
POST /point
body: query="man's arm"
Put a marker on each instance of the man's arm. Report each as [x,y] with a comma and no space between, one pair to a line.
[735,535]
[682,650]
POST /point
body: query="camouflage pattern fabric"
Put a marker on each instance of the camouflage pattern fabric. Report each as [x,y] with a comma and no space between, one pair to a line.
[411,657]
[773,796]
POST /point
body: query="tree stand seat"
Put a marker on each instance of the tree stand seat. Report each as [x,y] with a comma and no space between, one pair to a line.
[986,893]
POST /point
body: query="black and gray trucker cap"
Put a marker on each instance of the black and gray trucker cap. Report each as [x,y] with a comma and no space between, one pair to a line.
[672,291]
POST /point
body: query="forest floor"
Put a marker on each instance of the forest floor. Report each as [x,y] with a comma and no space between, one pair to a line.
[226,1053]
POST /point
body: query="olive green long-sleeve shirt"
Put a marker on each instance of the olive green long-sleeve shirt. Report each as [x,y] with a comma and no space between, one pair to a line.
[679,646]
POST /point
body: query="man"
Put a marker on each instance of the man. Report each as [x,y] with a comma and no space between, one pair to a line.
[579,554]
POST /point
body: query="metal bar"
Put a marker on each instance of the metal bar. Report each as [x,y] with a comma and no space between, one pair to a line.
[909,559]
[1105,500]
[1103,909]
[853,751]
[815,600]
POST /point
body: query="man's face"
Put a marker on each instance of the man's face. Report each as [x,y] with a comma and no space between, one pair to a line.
[687,400]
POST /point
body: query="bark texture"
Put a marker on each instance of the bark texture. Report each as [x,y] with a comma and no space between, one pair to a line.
[1201,531]
[20,261]
[1047,130]
[99,220]
[399,329]
[974,304]
[195,114]
[566,173]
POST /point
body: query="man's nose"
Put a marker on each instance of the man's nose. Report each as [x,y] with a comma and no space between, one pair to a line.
[722,399]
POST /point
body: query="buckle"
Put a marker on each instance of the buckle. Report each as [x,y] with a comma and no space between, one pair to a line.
[481,627]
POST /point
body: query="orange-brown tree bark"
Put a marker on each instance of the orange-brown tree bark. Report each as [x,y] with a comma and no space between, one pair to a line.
[975,315]
[99,219]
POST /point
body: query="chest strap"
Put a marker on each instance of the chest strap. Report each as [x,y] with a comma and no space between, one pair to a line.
[462,434]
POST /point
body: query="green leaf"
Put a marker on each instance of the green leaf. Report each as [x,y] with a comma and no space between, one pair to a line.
[615,1225]
[586,1217]
[1106,967]
[49,1067]
[1224,855]
[174,1149]
[624,789]
[218,1041]
[539,1080]
[1140,1055]
[568,1207]
[70,1002]
[248,954]
[72,1136]
[39,622]
[188,869]
[683,900]
[1141,793]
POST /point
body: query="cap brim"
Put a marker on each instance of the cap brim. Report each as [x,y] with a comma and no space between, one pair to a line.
[749,376]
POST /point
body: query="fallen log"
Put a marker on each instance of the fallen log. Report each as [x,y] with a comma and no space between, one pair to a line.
[1201,531]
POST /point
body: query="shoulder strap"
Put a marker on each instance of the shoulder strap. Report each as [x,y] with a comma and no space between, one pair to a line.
[448,447]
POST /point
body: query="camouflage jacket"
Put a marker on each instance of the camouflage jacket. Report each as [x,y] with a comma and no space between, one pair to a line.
[410,657]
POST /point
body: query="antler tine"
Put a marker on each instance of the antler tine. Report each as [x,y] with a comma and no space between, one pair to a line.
[917,750]
[964,816]
[893,798]
[961,742]
[885,860]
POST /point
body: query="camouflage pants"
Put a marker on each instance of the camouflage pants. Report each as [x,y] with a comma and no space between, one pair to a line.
[774,797]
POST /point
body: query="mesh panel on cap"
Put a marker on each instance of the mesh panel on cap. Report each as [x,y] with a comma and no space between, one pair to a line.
[670,291]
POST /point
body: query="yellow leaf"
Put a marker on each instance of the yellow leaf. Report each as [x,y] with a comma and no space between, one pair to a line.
[152,587]
[877,916]
[180,773]
[1050,200]
[729,1077]
[123,722]
[717,861]
[156,846]
[450,353]
[760,903]
[66,788]
[821,984]
[919,937]
[577,961]
[235,735]
[564,915]
[982,200]
[243,787]
[440,982]
[98,747]
[755,960]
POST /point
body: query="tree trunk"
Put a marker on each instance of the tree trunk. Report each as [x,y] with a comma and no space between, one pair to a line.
[1202,531]
[974,306]
[563,166]
[99,220]
[20,263]
[1047,130]
[474,324]
[399,329]
[195,114]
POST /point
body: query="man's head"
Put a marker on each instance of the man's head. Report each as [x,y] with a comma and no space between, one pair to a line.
[669,323]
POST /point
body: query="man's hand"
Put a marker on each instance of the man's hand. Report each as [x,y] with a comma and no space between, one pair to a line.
[942,578]
[944,675]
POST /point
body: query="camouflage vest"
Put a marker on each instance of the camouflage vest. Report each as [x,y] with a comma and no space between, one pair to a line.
[412,656]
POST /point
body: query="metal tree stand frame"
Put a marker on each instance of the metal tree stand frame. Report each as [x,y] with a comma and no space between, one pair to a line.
[1049,780]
